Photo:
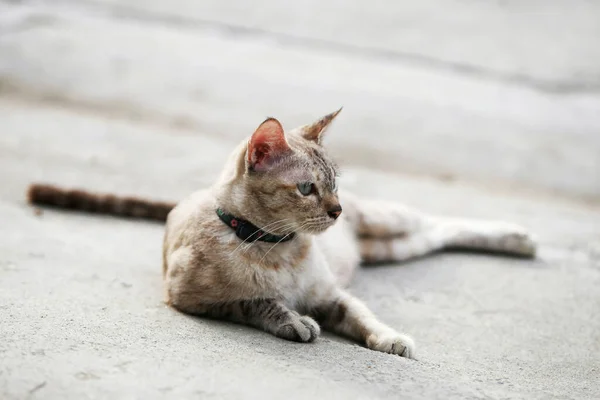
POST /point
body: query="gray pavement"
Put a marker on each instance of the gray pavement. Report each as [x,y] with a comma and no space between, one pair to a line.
[477,110]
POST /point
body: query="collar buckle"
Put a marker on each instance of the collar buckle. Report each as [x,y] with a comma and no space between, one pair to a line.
[246,232]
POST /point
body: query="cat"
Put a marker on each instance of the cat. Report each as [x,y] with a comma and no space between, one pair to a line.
[273,243]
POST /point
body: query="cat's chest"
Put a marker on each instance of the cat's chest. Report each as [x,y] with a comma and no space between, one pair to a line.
[289,272]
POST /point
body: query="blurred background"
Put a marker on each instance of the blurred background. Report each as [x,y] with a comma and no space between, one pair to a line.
[486,109]
[499,93]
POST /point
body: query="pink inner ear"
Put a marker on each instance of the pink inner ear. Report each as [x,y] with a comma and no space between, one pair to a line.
[266,144]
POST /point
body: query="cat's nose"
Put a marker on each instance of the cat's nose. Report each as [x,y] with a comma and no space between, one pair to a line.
[335,211]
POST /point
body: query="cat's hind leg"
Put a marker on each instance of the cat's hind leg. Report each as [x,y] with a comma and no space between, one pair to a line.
[389,231]
[461,234]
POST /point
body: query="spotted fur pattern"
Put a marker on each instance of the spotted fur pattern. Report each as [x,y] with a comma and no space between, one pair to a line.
[291,289]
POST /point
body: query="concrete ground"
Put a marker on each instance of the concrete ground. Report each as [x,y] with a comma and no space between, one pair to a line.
[466,109]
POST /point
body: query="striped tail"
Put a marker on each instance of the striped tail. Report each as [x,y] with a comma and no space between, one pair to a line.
[48,195]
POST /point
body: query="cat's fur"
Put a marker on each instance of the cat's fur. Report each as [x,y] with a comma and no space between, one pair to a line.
[293,288]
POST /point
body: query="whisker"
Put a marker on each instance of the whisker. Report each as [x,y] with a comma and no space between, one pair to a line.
[315,224]
[272,247]
[271,224]
[283,228]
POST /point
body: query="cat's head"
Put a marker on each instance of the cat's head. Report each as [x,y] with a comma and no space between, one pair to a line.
[289,180]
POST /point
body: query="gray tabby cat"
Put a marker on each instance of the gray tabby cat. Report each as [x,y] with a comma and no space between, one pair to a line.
[273,243]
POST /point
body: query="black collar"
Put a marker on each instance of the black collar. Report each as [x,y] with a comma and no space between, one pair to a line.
[249,232]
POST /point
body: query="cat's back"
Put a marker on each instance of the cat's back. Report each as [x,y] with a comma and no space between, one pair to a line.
[191,208]
[189,220]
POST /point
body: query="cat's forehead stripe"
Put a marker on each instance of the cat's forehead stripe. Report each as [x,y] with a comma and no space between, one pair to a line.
[325,166]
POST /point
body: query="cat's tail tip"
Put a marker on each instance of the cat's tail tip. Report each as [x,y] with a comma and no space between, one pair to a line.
[41,194]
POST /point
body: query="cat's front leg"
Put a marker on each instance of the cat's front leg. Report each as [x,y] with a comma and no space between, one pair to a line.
[269,315]
[346,315]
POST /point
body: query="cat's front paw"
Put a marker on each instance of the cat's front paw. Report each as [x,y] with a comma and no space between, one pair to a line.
[393,343]
[300,329]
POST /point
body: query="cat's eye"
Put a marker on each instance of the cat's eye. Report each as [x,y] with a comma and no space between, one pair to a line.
[306,188]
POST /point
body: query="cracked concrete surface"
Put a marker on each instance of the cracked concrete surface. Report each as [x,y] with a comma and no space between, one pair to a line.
[149,97]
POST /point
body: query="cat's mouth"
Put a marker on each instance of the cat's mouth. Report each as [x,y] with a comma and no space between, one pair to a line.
[316,225]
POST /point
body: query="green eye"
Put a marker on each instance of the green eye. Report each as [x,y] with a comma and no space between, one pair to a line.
[306,188]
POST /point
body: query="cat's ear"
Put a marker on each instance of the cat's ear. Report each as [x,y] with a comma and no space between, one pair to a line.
[315,130]
[266,145]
